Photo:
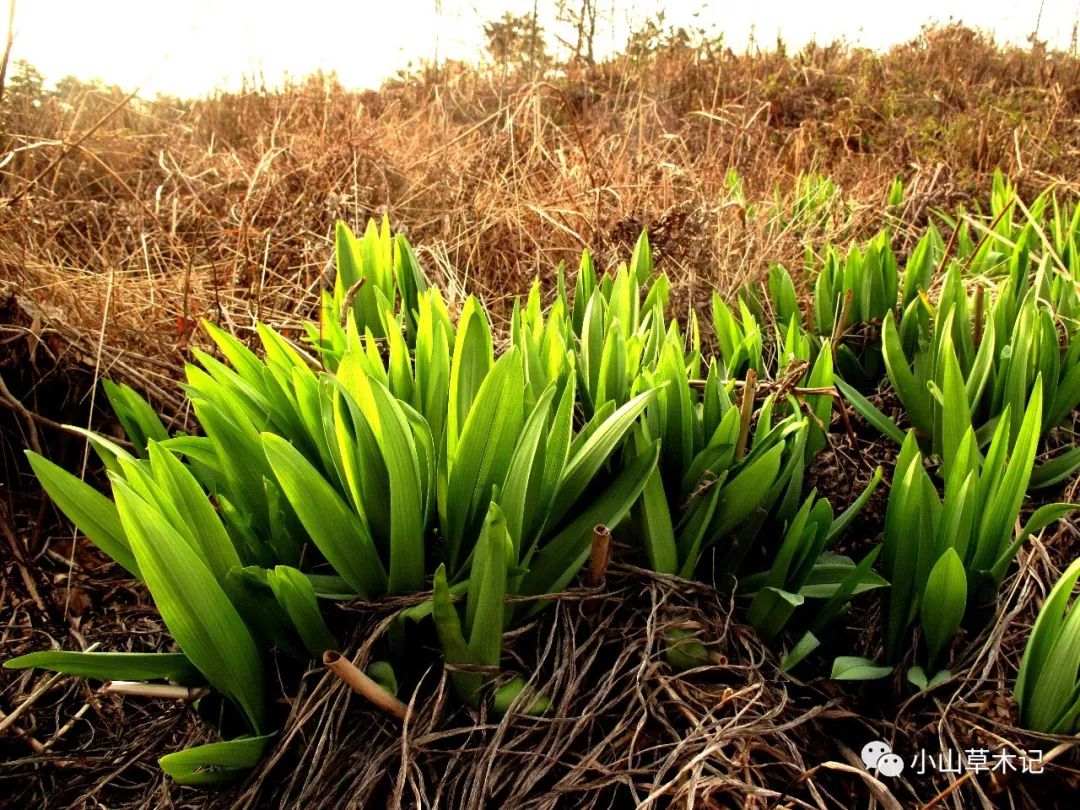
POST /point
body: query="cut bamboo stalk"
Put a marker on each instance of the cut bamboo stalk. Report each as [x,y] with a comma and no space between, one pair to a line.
[359,682]
[154,690]
[599,556]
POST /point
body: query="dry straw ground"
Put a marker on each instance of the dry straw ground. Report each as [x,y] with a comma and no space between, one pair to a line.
[123,222]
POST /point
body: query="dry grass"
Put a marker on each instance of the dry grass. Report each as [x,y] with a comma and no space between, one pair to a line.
[131,221]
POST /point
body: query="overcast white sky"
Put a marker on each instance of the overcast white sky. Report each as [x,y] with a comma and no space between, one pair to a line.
[194,47]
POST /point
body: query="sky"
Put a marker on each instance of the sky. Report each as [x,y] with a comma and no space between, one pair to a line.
[196,47]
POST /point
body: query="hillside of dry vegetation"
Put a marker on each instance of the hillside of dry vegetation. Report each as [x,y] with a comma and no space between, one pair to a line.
[123,222]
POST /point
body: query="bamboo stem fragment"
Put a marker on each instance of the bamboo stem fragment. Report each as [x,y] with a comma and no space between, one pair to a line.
[359,682]
[154,690]
[599,556]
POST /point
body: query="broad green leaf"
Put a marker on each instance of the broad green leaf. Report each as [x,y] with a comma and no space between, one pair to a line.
[192,503]
[558,561]
[914,397]
[472,359]
[1056,470]
[741,494]
[1040,519]
[652,519]
[1047,681]
[140,421]
[944,601]
[92,513]
[393,434]
[196,610]
[806,644]
[485,598]
[854,668]
[112,666]
[583,464]
[770,610]
[216,763]
[956,412]
[534,704]
[454,647]
[339,534]
[296,596]
[525,475]
[484,454]
[1003,503]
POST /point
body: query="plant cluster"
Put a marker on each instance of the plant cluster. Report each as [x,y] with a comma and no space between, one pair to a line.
[405,451]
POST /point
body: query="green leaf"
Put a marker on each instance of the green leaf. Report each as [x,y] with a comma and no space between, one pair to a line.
[806,644]
[915,398]
[684,651]
[944,601]
[454,647]
[92,513]
[484,453]
[339,534]
[1040,519]
[196,610]
[473,358]
[770,610]
[296,596]
[1002,505]
[216,763]
[112,666]
[1056,470]
[188,498]
[854,668]
[956,412]
[652,518]
[1047,684]
[140,421]
[559,560]
[408,517]
[587,461]
[485,599]
[844,520]
[828,575]
[917,677]
[506,694]
[741,495]
[868,412]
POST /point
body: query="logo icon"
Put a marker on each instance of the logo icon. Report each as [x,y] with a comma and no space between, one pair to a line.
[878,755]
